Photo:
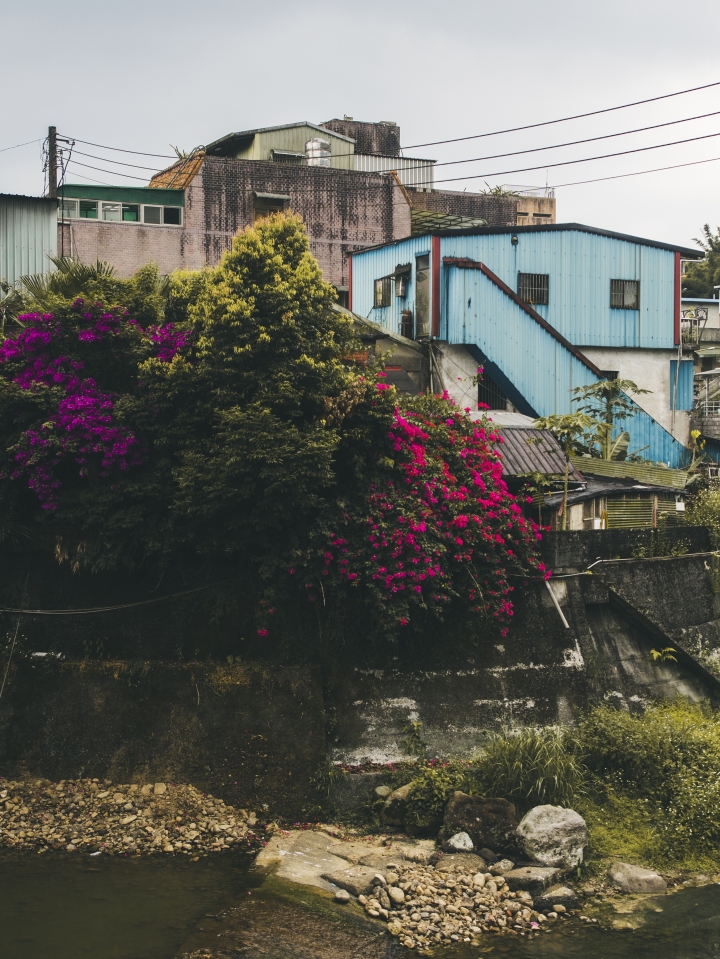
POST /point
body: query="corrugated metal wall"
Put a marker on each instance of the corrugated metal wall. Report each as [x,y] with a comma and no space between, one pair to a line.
[28,232]
[474,311]
[412,172]
[580,267]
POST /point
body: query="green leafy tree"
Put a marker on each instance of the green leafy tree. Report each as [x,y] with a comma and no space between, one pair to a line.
[567,428]
[607,403]
[701,278]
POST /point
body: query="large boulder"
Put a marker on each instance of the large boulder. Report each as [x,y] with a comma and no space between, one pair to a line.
[490,823]
[635,879]
[393,812]
[554,836]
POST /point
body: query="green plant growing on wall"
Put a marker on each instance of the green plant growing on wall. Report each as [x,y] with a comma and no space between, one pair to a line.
[567,428]
[608,403]
[666,655]
[703,509]
[413,744]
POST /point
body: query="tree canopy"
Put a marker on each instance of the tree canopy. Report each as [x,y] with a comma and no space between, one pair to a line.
[221,414]
[701,278]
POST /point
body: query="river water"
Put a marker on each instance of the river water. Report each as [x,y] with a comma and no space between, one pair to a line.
[103,908]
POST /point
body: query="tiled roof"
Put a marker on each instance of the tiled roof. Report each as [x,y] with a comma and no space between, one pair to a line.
[179,175]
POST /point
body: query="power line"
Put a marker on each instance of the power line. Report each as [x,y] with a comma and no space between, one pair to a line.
[107,609]
[604,156]
[620,176]
[572,143]
[127,176]
[17,145]
[161,156]
[135,166]
[577,116]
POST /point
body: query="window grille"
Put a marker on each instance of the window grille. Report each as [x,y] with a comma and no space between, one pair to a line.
[383,291]
[490,394]
[534,288]
[625,294]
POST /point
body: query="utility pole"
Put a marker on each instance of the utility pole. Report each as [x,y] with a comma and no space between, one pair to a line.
[52,162]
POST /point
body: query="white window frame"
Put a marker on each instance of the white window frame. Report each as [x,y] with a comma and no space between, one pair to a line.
[64,215]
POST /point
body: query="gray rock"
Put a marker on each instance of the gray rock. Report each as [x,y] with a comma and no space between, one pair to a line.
[460,842]
[635,879]
[396,895]
[383,791]
[501,867]
[488,855]
[462,861]
[554,836]
[358,880]
[556,896]
[342,895]
[393,812]
[533,878]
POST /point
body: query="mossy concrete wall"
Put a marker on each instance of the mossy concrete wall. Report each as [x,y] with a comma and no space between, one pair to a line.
[251,736]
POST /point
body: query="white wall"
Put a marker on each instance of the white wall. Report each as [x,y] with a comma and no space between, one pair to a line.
[650,369]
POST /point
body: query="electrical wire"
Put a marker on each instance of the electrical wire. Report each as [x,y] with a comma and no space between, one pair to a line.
[604,156]
[161,156]
[135,166]
[620,176]
[17,145]
[107,609]
[577,116]
[127,176]
[571,143]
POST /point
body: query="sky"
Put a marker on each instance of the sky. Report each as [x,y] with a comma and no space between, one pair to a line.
[143,75]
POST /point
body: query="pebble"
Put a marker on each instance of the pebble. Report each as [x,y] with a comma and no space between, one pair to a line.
[95,816]
[428,906]
[342,895]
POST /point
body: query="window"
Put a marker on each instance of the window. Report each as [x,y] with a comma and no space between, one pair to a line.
[610,374]
[422,295]
[265,204]
[625,294]
[68,210]
[490,394]
[383,292]
[112,212]
[120,212]
[534,288]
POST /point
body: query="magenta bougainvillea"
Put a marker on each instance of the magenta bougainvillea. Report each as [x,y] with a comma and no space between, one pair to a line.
[81,425]
[442,524]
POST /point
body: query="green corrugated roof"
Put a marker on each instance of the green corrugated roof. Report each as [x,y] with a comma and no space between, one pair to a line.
[124,194]
[652,475]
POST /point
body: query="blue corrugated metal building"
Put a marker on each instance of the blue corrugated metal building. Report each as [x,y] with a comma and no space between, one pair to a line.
[545,309]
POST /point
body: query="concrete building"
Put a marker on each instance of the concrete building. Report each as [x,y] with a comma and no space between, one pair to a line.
[544,309]
[345,178]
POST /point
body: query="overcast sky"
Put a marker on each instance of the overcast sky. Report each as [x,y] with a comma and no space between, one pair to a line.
[147,73]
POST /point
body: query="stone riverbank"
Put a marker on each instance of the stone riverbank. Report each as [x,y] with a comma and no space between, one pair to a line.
[98,816]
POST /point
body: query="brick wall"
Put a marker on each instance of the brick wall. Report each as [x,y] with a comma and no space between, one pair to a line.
[343,211]
[375,138]
[497,210]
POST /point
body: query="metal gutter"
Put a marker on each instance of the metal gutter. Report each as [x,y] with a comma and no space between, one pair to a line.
[464,264]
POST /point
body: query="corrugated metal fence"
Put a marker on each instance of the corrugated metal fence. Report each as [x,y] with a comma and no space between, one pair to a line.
[28,233]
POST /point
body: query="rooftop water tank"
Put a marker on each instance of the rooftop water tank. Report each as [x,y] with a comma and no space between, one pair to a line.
[317,152]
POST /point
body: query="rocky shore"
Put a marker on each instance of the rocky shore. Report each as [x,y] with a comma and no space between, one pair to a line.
[101,817]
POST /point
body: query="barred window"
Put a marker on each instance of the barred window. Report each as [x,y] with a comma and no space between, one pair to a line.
[625,294]
[534,288]
[383,291]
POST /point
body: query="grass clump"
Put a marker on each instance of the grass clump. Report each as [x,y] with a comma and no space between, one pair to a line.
[531,768]
[430,791]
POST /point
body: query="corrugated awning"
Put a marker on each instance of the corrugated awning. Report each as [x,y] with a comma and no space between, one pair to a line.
[527,450]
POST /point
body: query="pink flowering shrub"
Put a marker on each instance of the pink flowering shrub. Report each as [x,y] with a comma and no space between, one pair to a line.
[439,525]
[56,361]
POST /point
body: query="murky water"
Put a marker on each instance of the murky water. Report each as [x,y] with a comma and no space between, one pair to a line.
[60,908]
[108,908]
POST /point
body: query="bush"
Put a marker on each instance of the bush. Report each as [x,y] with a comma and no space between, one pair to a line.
[430,791]
[531,768]
[704,510]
